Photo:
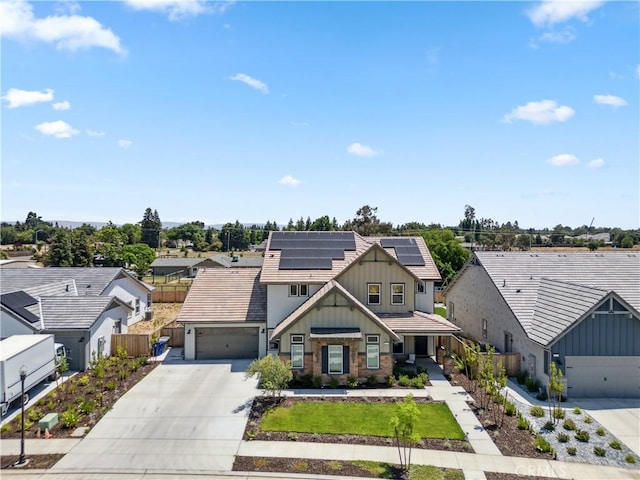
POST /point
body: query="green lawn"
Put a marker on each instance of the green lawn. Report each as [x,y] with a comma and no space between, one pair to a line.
[436,420]
[440,311]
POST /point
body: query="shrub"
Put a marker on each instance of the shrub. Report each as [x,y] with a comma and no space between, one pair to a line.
[577,410]
[372,381]
[391,381]
[521,377]
[630,458]
[558,412]
[510,409]
[417,382]
[600,432]
[70,418]
[588,419]
[333,382]
[599,451]
[27,424]
[34,414]
[352,381]
[615,444]
[274,374]
[542,395]
[549,426]
[531,384]
[569,424]
[424,376]
[571,450]
[522,423]
[293,436]
[317,381]
[110,385]
[498,398]
[563,437]
[537,411]
[306,380]
[87,406]
[582,436]
[51,405]
[251,434]
[404,380]
[5,428]
[542,445]
[83,381]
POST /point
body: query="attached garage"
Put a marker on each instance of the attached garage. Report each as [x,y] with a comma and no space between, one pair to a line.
[219,343]
[608,376]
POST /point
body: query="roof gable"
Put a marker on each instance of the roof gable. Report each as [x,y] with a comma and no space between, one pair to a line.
[375,250]
[76,313]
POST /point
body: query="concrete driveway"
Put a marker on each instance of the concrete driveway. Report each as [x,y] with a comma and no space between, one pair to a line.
[621,416]
[183,416]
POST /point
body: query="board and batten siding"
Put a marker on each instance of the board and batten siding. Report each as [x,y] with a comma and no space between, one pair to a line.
[280,305]
[600,334]
[375,267]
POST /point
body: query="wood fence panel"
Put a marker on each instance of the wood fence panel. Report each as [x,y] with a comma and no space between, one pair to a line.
[510,361]
[136,345]
[169,296]
[176,335]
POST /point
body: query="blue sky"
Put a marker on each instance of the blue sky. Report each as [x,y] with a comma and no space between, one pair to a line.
[261,111]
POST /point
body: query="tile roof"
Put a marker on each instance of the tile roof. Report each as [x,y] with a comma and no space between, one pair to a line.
[175,262]
[75,313]
[272,274]
[226,295]
[239,262]
[418,322]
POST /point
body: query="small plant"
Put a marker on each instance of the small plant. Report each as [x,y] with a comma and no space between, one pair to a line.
[262,463]
[34,414]
[447,444]
[542,395]
[510,409]
[404,380]
[615,444]
[558,413]
[600,432]
[110,385]
[466,446]
[333,382]
[251,434]
[352,381]
[391,381]
[87,406]
[630,458]
[317,381]
[334,465]
[569,424]
[5,428]
[577,411]
[83,381]
[542,445]
[582,436]
[293,436]
[599,451]
[531,384]
[28,424]
[51,405]
[571,450]
[588,419]
[549,426]
[372,381]
[70,418]
[563,437]
[522,423]
[537,411]
[301,466]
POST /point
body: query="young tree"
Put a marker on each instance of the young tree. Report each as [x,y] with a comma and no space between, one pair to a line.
[138,256]
[403,424]
[554,387]
[274,374]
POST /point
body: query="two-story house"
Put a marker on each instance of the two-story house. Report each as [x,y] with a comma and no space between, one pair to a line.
[333,303]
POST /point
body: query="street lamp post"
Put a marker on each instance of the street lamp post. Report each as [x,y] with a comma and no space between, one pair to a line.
[23,376]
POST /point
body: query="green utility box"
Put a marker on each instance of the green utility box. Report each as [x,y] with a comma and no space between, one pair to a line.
[49,421]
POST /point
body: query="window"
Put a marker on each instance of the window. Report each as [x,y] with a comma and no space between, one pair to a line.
[398,347]
[137,306]
[484,328]
[297,338]
[451,312]
[420,287]
[397,294]
[374,294]
[148,300]
[297,355]
[296,290]
[335,359]
[117,326]
[373,352]
[275,344]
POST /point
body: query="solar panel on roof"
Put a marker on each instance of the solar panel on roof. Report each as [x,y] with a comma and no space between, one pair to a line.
[407,250]
[333,253]
[17,301]
[396,242]
[411,260]
[305,264]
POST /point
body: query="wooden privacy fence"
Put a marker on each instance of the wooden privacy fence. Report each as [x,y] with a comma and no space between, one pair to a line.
[510,361]
[135,344]
[170,296]
[175,334]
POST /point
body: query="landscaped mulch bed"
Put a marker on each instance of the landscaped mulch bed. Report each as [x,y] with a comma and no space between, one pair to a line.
[35,461]
[514,476]
[509,439]
[262,404]
[91,398]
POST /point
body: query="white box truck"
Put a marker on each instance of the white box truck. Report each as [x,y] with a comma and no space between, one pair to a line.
[37,353]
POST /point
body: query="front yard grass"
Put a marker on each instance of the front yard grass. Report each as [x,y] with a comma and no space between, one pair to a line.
[442,311]
[436,420]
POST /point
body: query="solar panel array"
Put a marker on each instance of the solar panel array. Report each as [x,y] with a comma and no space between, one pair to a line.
[311,250]
[407,251]
[17,302]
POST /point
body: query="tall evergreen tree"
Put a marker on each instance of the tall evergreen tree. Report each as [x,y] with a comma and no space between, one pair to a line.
[60,252]
[151,227]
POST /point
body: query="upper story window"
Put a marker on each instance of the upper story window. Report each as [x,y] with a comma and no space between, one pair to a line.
[397,294]
[137,306]
[298,290]
[373,297]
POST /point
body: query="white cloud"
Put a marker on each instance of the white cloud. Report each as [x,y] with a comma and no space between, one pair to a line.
[361,150]
[67,32]
[19,98]
[180,9]
[610,100]
[597,163]
[564,36]
[95,133]
[61,105]
[543,112]
[125,143]
[550,12]
[67,6]
[252,82]
[57,129]
[563,160]
[289,180]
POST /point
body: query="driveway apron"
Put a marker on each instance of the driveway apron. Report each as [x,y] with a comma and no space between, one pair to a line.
[183,416]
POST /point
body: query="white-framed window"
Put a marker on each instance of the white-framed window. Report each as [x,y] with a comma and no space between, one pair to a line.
[484,328]
[373,352]
[137,306]
[297,338]
[373,293]
[298,290]
[335,359]
[397,294]
[421,287]
[297,355]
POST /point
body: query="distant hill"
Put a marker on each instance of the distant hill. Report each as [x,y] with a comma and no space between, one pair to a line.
[99,225]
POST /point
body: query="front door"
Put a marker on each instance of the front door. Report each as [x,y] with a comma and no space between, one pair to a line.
[421,346]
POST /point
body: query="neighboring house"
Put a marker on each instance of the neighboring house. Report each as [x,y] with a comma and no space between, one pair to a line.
[81,306]
[579,310]
[337,303]
[18,262]
[189,267]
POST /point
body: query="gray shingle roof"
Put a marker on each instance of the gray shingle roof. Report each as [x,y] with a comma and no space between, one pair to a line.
[175,262]
[240,262]
[74,313]
[226,295]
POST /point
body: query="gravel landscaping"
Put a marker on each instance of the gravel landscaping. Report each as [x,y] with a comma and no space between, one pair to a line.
[584,451]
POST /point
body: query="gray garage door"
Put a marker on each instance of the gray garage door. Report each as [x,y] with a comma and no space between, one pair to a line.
[603,376]
[224,343]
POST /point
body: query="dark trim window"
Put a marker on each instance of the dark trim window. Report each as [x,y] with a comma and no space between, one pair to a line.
[335,359]
[117,326]
[484,328]
[373,293]
[421,287]
[398,347]
[137,306]
[297,351]
[397,294]
[451,312]
[373,352]
[298,290]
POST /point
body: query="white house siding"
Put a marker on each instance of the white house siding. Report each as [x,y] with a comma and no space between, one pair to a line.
[190,335]
[374,267]
[126,290]
[280,304]
[476,298]
[11,326]
[424,301]
[104,327]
